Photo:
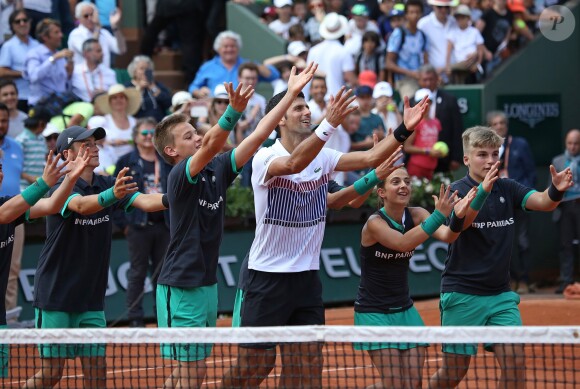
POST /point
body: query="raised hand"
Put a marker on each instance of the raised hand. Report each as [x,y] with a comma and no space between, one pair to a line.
[462,205]
[338,107]
[123,186]
[388,166]
[446,200]
[78,165]
[52,172]
[297,82]
[239,98]
[412,116]
[563,180]
[491,177]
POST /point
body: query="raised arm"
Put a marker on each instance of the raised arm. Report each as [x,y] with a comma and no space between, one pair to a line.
[549,199]
[17,205]
[252,143]
[371,158]
[56,201]
[216,137]
[87,205]
[307,150]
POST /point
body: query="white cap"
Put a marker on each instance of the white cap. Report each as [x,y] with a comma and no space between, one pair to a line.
[282,3]
[296,48]
[422,93]
[96,121]
[50,129]
[382,88]
[180,98]
[220,92]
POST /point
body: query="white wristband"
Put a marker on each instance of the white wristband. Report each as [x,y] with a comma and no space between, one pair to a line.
[324,130]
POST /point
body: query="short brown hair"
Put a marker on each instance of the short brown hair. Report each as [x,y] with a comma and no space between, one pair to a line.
[43,27]
[250,66]
[164,134]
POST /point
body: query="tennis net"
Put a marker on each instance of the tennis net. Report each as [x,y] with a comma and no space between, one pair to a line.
[324,356]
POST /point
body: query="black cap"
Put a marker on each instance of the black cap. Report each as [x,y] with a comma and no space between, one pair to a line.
[364,90]
[37,114]
[76,134]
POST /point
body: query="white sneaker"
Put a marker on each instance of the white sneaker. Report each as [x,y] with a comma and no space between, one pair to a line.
[13,314]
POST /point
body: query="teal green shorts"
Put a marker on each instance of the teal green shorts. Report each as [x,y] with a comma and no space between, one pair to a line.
[4,356]
[58,319]
[409,317]
[236,314]
[186,307]
[459,309]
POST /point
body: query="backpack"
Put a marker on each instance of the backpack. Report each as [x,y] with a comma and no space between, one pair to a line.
[404,33]
[56,102]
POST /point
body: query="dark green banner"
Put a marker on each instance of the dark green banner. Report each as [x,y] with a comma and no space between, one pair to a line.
[339,265]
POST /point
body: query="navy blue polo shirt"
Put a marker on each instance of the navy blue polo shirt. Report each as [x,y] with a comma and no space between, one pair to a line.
[73,268]
[384,284]
[197,210]
[478,262]
[6,246]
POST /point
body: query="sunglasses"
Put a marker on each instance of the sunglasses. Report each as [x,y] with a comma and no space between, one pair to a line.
[51,137]
[220,101]
[86,16]
[315,6]
[147,132]
[21,21]
[443,7]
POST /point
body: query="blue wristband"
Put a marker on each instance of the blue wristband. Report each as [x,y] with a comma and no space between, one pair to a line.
[479,199]
[107,198]
[229,119]
[35,191]
[433,222]
[366,182]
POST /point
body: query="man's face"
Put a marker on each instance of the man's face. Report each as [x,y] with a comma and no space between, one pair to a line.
[87,18]
[53,37]
[229,50]
[21,25]
[413,14]
[248,77]
[573,142]
[297,118]
[95,54]
[499,125]
[4,121]
[365,102]
[428,80]
[441,12]
[479,160]
[318,90]
[9,96]
[91,145]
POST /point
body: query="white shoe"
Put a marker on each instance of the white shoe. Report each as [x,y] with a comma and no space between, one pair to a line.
[13,314]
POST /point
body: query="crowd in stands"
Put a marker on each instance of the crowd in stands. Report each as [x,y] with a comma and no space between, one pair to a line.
[57,69]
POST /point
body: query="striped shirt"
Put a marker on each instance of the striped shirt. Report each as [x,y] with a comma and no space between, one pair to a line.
[34,150]
[290,212]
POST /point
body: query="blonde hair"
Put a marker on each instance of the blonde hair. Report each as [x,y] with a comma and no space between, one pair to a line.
[479,137]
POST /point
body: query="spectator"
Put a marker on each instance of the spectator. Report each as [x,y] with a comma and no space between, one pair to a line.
[495,26]
[118,107]
[370,123]
[317,103]
[9,96]
[13,55]
[296,33]
[464,49]
[371,5]
[385,107]
[331,56]
[50,135]
[518,164]
[105,8]
[444,107]
[285,18]
[436,27]
[87,15]
[358,25]
[155,97]
[224,66]
[406,51]
[47,69]
[12,165]
[371,57]
[312,25]
[567,215]
[36,11]
[422,159]
[33,146]
[147,234]
[384,20]
[521,33]
[92,77]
